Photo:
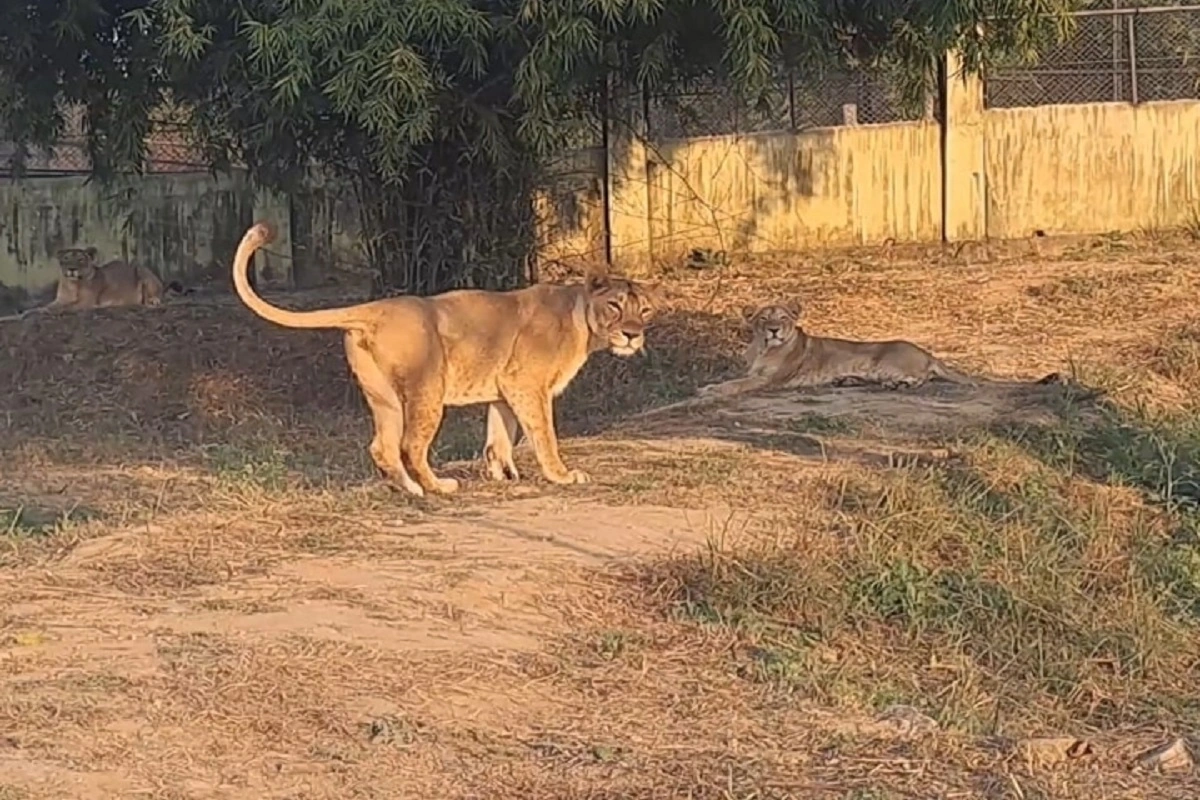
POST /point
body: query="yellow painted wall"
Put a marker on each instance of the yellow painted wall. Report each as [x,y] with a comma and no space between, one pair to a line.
[1009,172]
[783,191]
[1068,169]
[1091,168]
[570,210]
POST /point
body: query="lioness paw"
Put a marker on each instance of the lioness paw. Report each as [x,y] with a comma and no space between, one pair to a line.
[499,471]
[497,468]
[409,486]
[570,476]
[446,485]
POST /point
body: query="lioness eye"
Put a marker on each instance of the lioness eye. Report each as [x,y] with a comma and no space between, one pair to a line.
[614,305]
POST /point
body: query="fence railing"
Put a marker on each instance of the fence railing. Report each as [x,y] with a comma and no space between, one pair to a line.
[1130,55]
[826,99]
[1122,55]
[167,151]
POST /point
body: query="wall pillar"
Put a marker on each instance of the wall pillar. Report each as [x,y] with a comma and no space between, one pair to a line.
[964,176]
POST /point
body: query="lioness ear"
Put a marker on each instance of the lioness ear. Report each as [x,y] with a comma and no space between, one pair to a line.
[92,252]
[794,308]
[596,277]
[749,313]
[596,282]
[654,294]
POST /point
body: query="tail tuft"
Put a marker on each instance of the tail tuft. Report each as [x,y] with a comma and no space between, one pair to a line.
[260,233]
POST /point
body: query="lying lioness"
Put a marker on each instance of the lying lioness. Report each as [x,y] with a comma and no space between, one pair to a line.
[515,351]
[782,356]
[82,284]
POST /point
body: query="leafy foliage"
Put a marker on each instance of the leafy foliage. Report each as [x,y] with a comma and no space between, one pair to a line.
[445,106]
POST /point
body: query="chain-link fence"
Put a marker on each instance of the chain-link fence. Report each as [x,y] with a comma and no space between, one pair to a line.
[832,98]
[1124,55]
[167,151]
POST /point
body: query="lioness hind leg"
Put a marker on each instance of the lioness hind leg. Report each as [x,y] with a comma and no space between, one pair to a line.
[503,431]
[422,418]
[536,415]
[385,447]
[387,413]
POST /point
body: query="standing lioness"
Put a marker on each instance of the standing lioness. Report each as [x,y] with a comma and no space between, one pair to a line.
[515,351]
[782,356]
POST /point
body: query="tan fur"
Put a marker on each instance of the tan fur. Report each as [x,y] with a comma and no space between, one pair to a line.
[515,351]
[782,356]
[83,285]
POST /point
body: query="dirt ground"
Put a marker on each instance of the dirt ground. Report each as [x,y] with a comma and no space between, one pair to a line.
[206,593]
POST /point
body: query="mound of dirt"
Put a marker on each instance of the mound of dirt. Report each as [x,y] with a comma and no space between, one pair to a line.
[186,366]
[933,409]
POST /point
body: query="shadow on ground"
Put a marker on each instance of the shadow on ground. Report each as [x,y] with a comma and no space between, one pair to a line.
[208,383]
[869,425]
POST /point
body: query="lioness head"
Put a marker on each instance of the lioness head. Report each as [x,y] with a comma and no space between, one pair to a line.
[77,263]
[775,325]
[619,311]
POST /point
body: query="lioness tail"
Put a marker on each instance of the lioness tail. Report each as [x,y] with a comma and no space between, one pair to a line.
[259,234]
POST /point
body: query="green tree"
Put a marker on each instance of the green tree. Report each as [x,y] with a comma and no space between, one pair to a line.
[439,113]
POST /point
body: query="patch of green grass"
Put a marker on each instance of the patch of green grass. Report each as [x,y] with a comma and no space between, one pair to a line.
[1000,587]
[821,424]
[1159,457]
[261,465]
[870,794]
[20,520]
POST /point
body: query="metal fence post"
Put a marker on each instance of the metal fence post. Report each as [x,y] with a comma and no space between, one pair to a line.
[1133,83]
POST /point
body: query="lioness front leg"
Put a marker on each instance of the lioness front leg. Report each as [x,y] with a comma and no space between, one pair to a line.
[733,387]
[53,307]
[503,431]
[536,415]
[422,418]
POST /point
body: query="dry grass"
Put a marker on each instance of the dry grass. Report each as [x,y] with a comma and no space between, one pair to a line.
[204,592]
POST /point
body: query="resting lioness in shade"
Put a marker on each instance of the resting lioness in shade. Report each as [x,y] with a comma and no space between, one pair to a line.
[782,356]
